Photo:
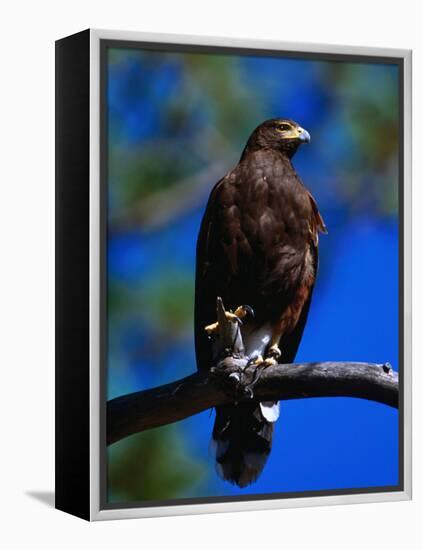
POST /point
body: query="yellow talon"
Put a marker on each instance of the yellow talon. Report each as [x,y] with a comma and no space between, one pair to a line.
[258,360]
[274,352]
[270,362]
[210,329]
[232,316]
[213,328]
[240,313]
[243,311]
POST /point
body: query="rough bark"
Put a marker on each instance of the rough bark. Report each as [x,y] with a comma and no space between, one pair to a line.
[155,407]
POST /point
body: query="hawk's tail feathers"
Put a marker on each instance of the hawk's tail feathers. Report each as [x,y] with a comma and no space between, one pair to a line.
[242,439]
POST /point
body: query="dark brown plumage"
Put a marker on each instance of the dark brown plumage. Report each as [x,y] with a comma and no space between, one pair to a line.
[258,246]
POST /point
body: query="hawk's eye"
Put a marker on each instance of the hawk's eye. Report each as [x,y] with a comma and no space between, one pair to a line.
[284,127]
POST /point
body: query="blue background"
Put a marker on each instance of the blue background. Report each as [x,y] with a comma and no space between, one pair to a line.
[177,122]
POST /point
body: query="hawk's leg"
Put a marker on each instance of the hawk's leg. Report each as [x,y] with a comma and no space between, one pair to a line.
[285,324]
[240,313]
[256,363]
[272,355]
[273,352]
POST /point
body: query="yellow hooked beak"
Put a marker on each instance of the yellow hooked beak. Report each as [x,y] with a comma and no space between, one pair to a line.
[303,135]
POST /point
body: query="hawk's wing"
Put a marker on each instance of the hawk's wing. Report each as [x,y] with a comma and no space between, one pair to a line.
[206,280]
[290,342]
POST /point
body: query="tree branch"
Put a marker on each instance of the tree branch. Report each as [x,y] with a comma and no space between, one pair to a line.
[232,379]
[155,407]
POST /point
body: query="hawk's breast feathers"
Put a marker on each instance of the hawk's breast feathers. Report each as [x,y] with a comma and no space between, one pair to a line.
[258,240]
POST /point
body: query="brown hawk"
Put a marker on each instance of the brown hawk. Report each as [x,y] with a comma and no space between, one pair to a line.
[257,245]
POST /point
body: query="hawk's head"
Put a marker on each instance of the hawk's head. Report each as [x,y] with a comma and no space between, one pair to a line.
[280,134]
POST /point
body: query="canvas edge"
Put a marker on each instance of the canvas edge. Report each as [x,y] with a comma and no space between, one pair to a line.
[138,512]
[407,271]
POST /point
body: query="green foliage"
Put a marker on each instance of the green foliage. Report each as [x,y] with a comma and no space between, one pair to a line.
[152,465]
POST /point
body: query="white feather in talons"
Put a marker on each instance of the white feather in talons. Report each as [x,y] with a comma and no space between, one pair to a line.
[270,410]
[256,342]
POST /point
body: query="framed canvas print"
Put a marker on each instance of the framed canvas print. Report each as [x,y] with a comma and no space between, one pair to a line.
[233,274]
